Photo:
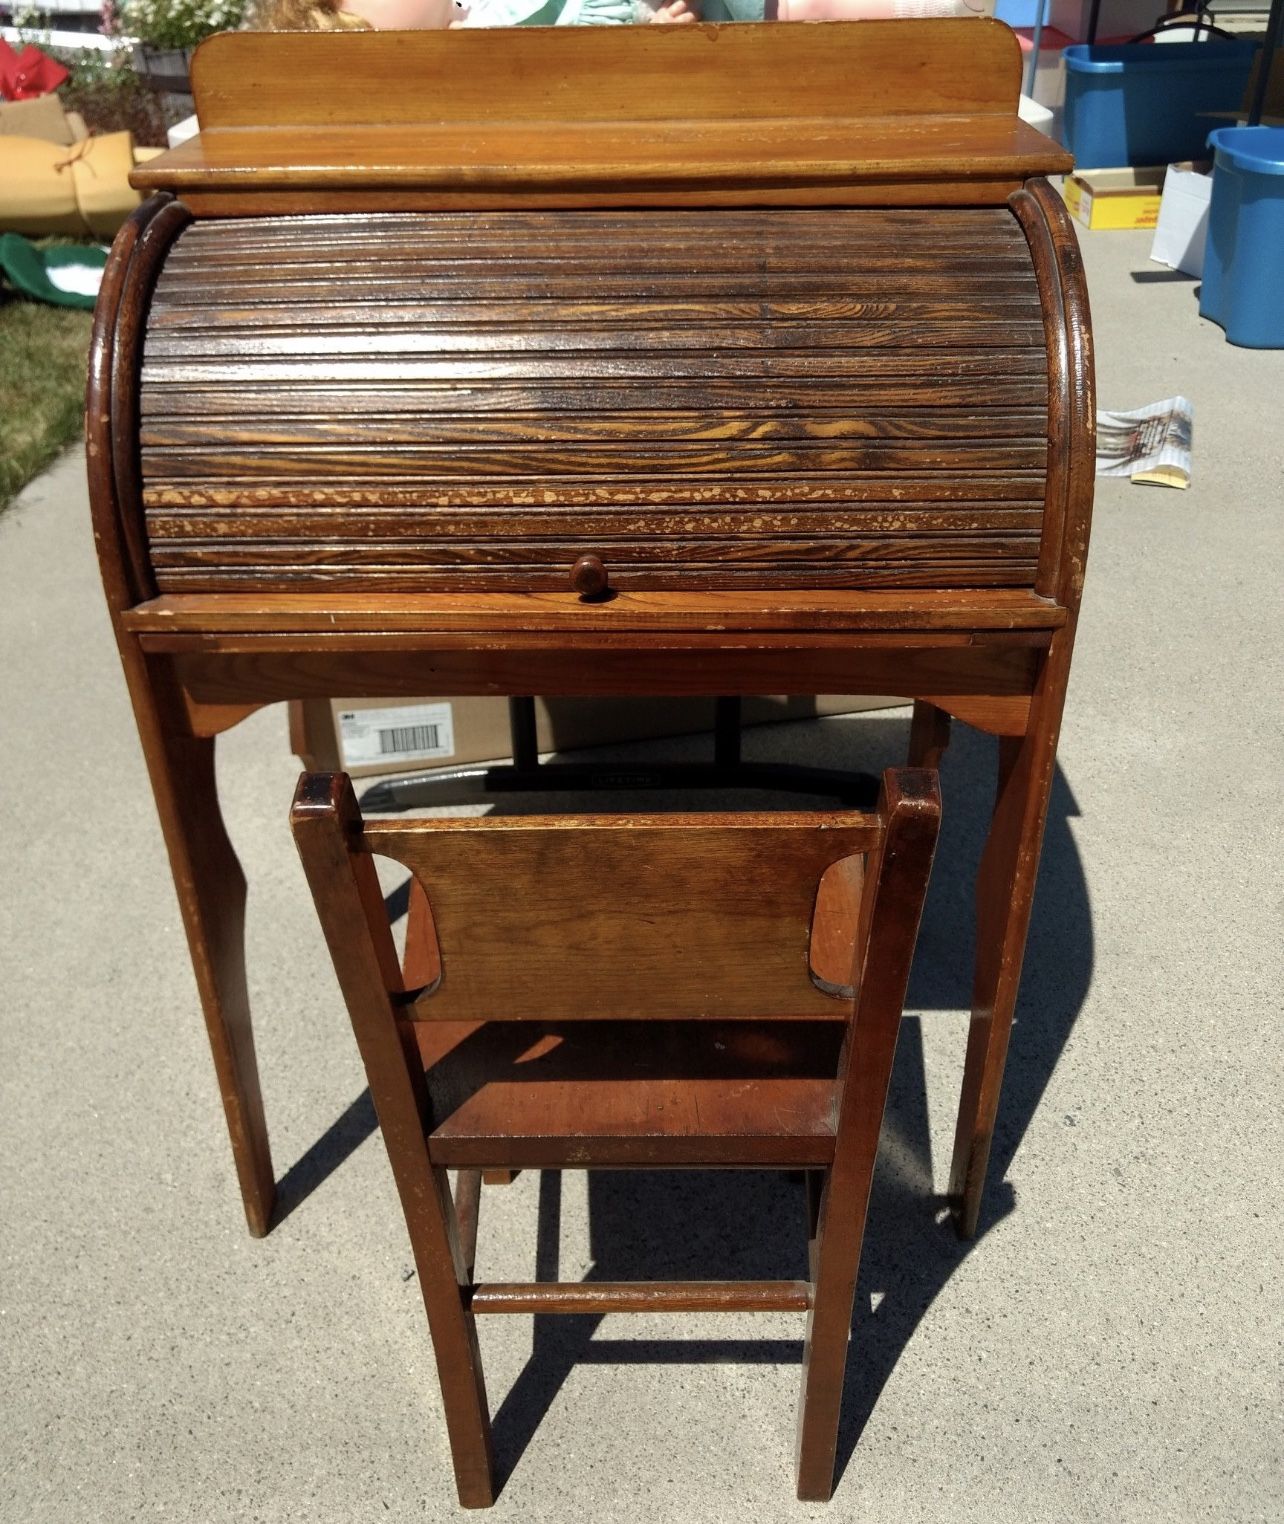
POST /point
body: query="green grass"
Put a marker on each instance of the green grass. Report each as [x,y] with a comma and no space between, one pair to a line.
[43,351]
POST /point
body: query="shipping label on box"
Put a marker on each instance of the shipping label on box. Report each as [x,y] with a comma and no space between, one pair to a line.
[394,737]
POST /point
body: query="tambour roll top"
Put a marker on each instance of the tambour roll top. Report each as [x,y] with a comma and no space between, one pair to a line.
[848,398]
[814,375]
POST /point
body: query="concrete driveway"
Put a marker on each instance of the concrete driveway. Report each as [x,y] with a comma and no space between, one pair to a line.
[1108,1348]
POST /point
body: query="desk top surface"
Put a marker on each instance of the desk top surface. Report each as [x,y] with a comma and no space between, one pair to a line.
[715,612]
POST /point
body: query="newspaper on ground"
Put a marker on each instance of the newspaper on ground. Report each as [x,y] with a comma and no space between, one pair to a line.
[1149,445]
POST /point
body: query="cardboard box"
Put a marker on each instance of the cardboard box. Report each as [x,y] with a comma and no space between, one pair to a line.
[376,737]
[1115,198]
[1126,19]
[1182,228]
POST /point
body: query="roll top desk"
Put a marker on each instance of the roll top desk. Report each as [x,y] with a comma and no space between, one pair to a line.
[665,360]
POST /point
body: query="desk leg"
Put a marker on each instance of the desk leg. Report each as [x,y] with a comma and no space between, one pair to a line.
[929,735]
[1004,895]
[211,895]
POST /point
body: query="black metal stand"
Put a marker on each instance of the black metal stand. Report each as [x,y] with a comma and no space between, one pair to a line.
[527,774]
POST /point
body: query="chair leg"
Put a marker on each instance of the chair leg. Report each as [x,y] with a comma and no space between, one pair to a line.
[913,813]
[836,1257]
[350,904]
[813,1187]
[468,1185]
[454,1338]
[835,1247]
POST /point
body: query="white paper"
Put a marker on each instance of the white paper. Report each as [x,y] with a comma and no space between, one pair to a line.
[1151,444]
[409,732]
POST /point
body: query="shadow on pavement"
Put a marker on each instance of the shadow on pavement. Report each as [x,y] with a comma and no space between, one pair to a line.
[750,1225]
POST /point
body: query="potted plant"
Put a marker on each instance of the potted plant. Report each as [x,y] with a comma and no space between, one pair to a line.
[167,31]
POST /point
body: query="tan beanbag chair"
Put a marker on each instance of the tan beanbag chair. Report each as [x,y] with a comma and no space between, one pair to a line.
[78,189]
[42,117]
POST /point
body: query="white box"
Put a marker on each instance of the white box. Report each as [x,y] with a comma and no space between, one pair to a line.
[1183,220]
[1041,117]
[181,131]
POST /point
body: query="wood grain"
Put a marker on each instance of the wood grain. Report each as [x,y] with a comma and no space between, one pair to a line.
[986,686]
[581,1092]
[491,443]
[831,114]
[970,161]
[544,75]
[519,931]
[599,1095]
[855,382]
[981,612]
[601,1298]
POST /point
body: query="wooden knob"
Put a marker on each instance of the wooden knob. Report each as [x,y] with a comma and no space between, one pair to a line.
[588,576]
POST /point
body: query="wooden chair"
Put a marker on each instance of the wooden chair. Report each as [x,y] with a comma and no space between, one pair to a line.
[648,990]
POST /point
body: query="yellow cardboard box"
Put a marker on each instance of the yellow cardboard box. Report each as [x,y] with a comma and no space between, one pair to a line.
[1116,198]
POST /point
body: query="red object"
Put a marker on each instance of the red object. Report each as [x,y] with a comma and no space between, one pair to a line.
[1055,40]
[25,75]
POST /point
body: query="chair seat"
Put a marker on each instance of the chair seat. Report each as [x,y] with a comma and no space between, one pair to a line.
[583,1094]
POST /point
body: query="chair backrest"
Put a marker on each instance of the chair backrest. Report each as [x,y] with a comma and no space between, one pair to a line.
[622,917]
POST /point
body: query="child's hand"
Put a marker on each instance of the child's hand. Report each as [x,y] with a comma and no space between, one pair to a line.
[675,12]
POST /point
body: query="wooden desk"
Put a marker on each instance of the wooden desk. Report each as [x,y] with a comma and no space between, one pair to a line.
[780,324]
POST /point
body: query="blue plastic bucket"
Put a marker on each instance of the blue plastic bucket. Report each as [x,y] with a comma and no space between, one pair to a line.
[1141,103]
[1243,288]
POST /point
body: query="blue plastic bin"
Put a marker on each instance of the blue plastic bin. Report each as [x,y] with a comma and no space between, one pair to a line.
[1140,103]
[1243,287]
